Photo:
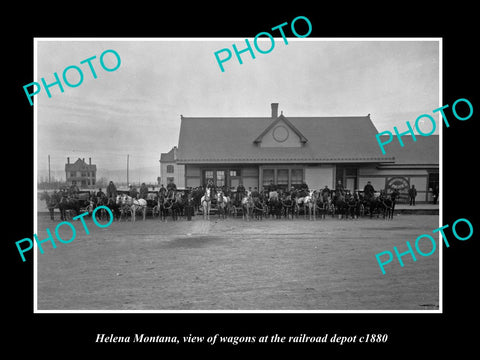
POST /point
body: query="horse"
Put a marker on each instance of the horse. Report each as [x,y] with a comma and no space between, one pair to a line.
[152,203]
[236,203]
[122,207]
[222,204]
[381,204]
[354,205]
[156,206]
[178,205]
[340,204]
[162,207]
[114,207]
[363,204]
[134,205]
[373,204]
[387,205]
[309,203]
[247,206]
[287,205]
[258,210]
[300,202]
[51,202]
[275,205]
[67,204]
[206,202]
[351,206]
[172,203]
[328,207]
[96,201]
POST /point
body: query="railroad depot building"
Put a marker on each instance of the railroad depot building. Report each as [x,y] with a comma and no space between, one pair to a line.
[290,150]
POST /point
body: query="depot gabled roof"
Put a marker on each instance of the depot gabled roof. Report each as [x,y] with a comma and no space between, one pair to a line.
[238,140]
[283,119]
[424,152]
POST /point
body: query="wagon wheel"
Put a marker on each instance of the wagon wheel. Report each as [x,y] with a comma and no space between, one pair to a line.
[102,214]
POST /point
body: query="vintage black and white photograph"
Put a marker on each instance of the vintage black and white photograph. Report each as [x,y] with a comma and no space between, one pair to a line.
[208,175]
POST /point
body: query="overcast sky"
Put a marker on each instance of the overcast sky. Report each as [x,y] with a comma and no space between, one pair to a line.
[136,109]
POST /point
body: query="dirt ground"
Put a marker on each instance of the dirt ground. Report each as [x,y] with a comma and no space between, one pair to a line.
[237,265]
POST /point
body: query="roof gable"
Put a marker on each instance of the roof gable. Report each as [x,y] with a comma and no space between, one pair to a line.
[168,157]
[278,131]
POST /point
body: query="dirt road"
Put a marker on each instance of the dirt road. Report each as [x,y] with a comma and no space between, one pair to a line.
[232,264]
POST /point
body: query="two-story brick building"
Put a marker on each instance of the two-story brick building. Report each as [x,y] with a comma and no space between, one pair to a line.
[82,173]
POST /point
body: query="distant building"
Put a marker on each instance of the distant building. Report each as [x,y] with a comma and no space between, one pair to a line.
[170,171]
[82,173]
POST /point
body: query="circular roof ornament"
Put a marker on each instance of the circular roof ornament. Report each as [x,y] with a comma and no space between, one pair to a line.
[280,133]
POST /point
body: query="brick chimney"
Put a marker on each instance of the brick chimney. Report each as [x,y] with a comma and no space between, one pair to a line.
[274,110]
[175,153]
[89,161]
[68,160]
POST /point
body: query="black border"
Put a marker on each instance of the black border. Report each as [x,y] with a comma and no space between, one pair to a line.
[408,333]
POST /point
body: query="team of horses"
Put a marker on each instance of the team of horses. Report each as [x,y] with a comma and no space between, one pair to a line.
[310,204]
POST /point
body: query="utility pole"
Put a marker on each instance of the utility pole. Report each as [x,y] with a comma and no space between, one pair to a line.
[127,169]
[48,169]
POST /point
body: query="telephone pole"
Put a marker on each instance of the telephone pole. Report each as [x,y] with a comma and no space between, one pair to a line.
[127,168]
[48,169]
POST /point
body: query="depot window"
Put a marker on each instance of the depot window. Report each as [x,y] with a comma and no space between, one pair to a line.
[268,176]
[282,176]
[297,176]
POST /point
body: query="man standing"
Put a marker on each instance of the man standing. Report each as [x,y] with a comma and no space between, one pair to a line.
[143,191]
[326,192]
[111,191]
[100,194]
[368,191]
[132,192]
[162,191]
[241,189]
[189,210]
[339,190]
[73,191]
[412,193]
